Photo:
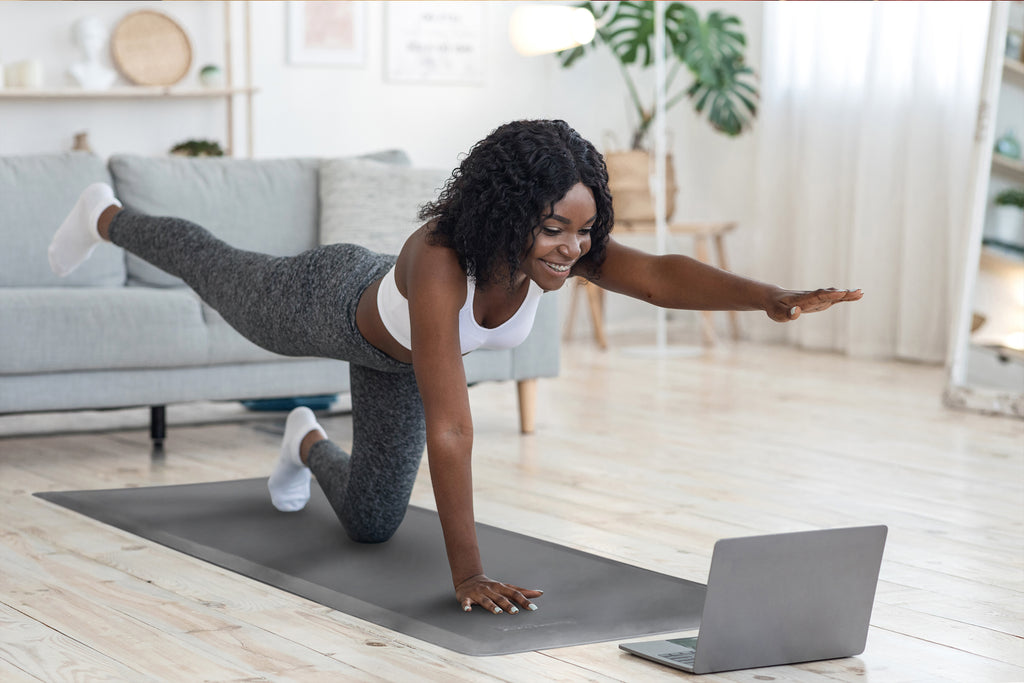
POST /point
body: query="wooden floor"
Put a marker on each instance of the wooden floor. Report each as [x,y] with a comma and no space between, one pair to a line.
[644,460]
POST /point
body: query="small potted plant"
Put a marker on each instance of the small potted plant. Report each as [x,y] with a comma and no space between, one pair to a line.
[1008,224]
[198,148]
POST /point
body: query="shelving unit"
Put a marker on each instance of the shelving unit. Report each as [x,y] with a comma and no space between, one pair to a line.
[984,372]
[998,254]
[226,93]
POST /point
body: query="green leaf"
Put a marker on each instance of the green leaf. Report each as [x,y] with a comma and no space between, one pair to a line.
[570,56]
[630,32]
[711,49]
[714,55]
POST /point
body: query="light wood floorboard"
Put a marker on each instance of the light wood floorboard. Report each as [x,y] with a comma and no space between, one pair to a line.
[648,461]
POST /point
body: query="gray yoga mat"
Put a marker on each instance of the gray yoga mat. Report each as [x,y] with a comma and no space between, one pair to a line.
[404,584]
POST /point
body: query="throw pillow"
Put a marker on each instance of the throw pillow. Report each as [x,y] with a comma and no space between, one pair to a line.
[36,193]
[372,204]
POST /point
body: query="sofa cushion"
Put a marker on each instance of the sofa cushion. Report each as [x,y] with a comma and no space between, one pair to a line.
[37,193]
[225,345]
[53,330]
[269,206]
[372,204]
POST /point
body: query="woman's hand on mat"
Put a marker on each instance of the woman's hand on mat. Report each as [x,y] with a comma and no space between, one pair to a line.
[494,596]
[786,304]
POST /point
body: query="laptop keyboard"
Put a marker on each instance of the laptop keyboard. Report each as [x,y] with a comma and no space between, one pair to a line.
[684,657]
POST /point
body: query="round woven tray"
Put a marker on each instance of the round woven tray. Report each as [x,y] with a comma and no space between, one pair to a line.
[150,48]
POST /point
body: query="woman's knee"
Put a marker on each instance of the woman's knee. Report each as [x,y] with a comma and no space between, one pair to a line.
[372,524]
[366,533]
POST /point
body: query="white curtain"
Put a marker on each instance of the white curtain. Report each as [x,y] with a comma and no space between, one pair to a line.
[865,136]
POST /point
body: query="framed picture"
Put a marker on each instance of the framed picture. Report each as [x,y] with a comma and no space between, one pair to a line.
[435,42]
[327,33]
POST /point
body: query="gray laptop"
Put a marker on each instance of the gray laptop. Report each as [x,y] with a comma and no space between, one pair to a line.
[781,599]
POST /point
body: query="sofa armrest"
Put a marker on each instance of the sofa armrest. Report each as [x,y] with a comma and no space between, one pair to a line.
[540,354]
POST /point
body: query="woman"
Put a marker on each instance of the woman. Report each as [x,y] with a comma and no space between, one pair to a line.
[528,208]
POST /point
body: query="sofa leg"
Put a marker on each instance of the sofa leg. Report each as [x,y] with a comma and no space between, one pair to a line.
[158,426]
[527,389]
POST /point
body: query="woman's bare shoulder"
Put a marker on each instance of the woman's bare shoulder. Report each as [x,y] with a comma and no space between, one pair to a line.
[423,260]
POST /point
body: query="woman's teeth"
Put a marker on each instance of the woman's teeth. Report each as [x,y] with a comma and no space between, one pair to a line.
[556,267]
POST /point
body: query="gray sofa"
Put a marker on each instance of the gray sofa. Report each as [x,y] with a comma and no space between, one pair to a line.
[120,333]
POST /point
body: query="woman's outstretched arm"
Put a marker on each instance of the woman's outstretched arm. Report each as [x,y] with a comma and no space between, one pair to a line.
[677,281]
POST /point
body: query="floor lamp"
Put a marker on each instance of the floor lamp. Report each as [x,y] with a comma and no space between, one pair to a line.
[660,160]
[660,191]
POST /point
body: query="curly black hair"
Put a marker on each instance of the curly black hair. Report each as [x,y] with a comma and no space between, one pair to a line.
[491,207]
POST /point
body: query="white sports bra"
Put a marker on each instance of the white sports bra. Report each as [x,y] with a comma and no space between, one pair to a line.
[394,313]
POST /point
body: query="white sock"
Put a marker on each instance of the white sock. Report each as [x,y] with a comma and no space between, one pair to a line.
[77,236]
[289,483]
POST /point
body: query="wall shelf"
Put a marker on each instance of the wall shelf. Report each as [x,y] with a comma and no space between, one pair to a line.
[1014,167]
[121,93]
[997,256]
[1013,68]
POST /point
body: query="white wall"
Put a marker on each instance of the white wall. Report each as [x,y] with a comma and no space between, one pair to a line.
[320,110]
[337,110]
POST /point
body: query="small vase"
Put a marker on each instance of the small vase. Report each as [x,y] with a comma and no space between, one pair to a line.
[1007,225]
[1008,145]
[211,76]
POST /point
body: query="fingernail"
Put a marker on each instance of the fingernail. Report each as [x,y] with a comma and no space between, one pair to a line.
[792,312]
[497,610]
[514,610]
[533,608]
[467,608]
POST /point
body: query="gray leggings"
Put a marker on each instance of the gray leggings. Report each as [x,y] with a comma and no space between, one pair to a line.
[305,305]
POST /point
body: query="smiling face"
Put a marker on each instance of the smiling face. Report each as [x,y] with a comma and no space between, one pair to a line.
[561,239]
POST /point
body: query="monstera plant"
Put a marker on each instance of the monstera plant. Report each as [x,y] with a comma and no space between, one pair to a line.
[710,50]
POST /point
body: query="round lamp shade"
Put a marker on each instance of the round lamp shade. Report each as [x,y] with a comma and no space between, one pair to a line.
[541,28]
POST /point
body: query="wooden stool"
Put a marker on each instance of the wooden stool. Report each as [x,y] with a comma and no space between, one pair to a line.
[595,300]
[702,234]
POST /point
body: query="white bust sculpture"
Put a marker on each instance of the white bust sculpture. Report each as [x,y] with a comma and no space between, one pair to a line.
[90,36]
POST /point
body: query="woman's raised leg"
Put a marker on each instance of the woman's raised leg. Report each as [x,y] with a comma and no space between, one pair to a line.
[301,305]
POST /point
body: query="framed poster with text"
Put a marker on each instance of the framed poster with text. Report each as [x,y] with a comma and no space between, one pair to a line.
[435,42]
